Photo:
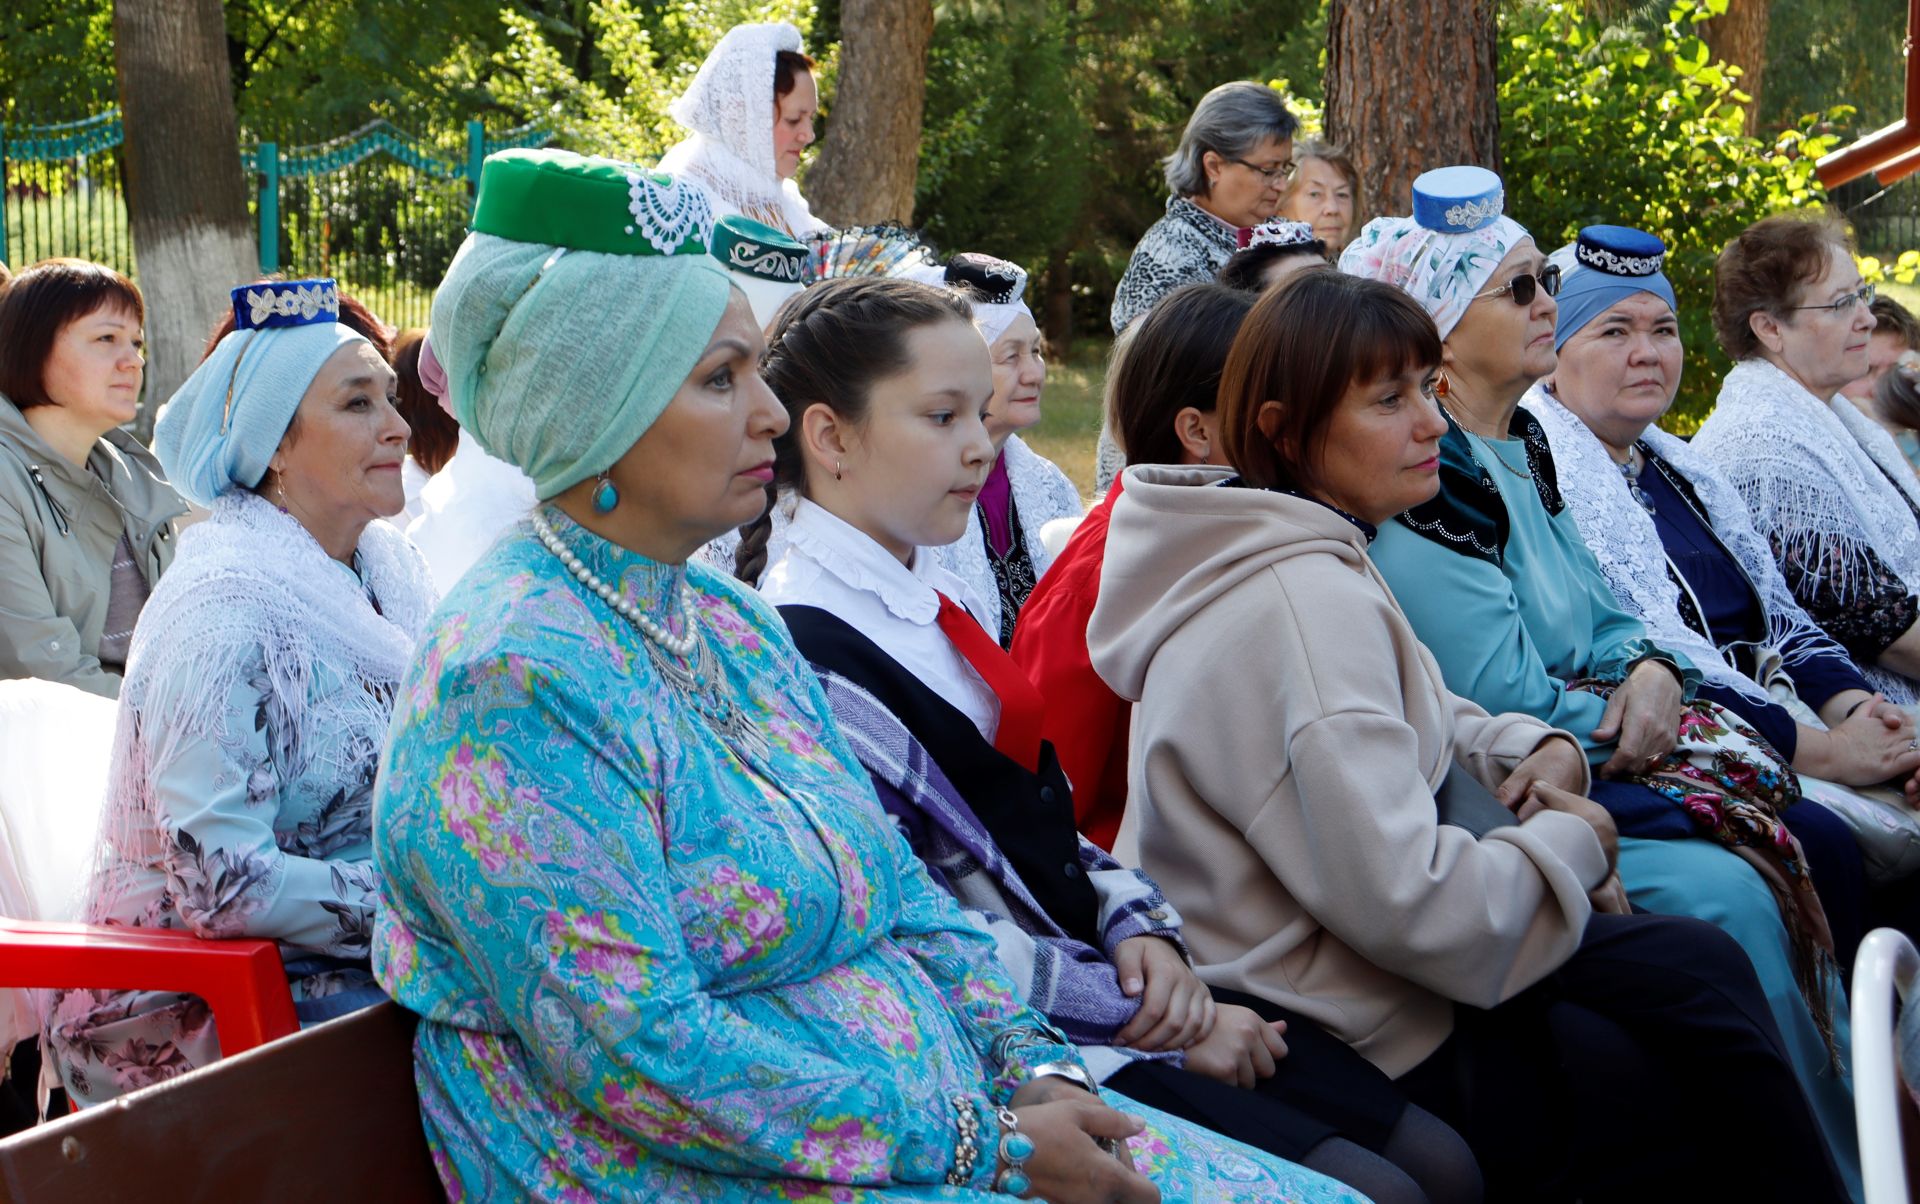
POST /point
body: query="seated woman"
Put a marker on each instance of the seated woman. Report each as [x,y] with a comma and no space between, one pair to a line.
[259,687]
[1824,483]
[1001,556]
[1270,253]
[86,514]
[663,940]
[1494,577]
[883,383]
[1160,398]
[1462,957]
[749,114]
[1676,546]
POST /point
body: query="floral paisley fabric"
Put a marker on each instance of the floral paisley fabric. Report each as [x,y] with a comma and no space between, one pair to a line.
[662,956]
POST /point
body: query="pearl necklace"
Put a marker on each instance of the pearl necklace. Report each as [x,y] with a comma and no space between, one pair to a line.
[678,645]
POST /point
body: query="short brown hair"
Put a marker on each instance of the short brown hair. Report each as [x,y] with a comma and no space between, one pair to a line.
[787,66]
[39,304]
[435,433]
[1304,345]
[1764,269]
[1173,360]
[1891,317]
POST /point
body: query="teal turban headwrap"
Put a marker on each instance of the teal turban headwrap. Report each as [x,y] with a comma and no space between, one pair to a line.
[221,427]
[574,310]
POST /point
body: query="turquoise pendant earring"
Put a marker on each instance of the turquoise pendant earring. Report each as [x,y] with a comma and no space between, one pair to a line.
[605,496]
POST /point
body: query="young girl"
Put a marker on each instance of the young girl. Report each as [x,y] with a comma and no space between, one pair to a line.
[886,385]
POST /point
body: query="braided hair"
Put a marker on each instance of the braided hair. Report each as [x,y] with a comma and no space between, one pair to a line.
[827,346]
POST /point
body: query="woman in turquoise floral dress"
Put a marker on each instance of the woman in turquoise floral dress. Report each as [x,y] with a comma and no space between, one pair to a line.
[664,942]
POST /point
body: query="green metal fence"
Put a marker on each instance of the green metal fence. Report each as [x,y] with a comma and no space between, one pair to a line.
[379,208]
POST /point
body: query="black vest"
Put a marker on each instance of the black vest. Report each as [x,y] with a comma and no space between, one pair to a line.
[1029,814]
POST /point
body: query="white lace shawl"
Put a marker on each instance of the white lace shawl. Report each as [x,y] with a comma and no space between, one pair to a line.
[729,109]
[1811,472]
[1625,541]
[252,593]
[1041,493]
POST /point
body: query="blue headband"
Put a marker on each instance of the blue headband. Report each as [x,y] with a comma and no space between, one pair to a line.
[1603,267]
[223,425]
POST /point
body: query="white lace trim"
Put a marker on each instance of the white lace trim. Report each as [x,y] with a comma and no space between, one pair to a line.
[1626,543]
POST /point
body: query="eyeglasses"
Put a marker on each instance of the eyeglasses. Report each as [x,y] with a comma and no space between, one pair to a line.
[1845,305]
[1272,175]
[1521,288]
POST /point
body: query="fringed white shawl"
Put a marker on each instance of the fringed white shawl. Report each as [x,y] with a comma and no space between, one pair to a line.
[1624,539]
[1815,473]
[252,593]
[729,109]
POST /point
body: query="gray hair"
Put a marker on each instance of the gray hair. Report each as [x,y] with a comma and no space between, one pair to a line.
[1230,120]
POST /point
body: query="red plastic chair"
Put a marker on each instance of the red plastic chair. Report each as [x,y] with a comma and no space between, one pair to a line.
[242,981]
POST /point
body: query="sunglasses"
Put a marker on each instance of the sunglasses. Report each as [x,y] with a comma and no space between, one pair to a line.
[1523,288]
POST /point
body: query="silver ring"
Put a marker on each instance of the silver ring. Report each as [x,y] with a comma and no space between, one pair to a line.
[1914,744]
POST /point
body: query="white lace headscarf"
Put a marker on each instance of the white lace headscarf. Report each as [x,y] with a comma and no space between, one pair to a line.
[1814,470]
[1625,541]
[729,109]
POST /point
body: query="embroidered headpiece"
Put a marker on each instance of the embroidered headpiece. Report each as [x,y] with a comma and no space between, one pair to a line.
[1603,267]
[587,203]
[1454,200]
[285,303]
[758,250]
[1276,232]
[993,281]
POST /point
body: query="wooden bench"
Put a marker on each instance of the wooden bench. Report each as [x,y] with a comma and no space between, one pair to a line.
[326,1115]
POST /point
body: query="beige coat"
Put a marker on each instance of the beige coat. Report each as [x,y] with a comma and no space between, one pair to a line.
[59,525]
[1289,734]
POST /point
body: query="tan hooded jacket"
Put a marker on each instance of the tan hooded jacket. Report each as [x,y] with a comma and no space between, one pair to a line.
[1289,735]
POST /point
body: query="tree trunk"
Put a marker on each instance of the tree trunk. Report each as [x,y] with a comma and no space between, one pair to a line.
[1410,86]
[871,156]
[186,192]
[1739,36]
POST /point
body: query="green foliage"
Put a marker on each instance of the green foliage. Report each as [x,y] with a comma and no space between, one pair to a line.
[1611,124]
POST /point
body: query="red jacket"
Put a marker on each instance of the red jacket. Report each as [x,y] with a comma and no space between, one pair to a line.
[1086,721]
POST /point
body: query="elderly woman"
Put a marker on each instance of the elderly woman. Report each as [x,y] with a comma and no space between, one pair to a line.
[1496,580]
[1233,160]
[663,940]
[86,514]
[1680,554]
[1461,955]
[1325,193]
[1825,484]
[259,687]
[750,110]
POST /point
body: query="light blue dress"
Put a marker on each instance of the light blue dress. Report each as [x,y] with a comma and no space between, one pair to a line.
[1512,632]
[664,942]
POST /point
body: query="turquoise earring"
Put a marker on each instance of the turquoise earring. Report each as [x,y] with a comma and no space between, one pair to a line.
[605,496]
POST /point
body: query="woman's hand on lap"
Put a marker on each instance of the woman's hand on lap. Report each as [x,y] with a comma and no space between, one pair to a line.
[1643,718]
[1556,761]
[1068,1166]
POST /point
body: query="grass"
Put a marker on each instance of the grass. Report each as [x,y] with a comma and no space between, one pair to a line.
[1906,294]
[1068,432]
